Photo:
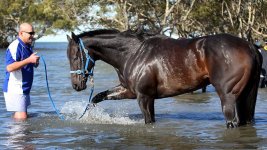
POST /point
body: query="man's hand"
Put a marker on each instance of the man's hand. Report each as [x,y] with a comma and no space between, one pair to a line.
[34,58]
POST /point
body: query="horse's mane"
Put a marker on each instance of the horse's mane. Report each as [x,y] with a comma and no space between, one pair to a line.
[98,32]
[141,34]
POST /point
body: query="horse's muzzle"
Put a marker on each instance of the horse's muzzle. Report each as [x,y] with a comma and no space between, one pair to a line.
[79,88]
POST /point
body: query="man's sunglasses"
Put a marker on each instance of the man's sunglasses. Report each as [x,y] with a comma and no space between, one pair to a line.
[31,33]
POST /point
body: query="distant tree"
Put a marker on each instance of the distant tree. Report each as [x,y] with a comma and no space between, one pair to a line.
[183,18]
[47,16]
[237,17]
[131,14]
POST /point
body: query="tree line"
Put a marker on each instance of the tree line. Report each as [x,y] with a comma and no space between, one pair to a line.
[183,18]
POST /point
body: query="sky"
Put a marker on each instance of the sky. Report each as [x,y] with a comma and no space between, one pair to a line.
[54,38]
[62,35]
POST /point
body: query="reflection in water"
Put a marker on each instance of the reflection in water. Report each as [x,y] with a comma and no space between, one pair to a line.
[18,135]
[235,138]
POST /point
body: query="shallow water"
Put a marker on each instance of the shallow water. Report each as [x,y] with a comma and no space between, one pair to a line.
[189,121]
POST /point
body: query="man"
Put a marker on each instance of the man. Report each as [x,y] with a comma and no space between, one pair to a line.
[20,60]
[263,50]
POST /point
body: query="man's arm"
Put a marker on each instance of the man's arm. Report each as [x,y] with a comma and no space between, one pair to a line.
[19,64]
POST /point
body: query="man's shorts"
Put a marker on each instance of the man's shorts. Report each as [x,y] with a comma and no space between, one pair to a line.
[17,102]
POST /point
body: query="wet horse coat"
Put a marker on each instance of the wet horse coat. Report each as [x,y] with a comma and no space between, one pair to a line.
[153,67]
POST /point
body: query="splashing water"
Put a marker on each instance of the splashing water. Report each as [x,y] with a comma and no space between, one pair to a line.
[98,114]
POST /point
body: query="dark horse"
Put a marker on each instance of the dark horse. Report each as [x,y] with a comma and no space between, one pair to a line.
[153,67]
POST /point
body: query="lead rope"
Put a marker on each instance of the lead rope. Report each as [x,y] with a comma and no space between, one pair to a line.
[52,102]
[90,97]
[48,91]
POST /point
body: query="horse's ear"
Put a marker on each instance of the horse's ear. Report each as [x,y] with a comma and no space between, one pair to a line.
[74,37]
[69,38]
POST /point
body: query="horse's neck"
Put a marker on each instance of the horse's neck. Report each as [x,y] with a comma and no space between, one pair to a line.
[115,51]
[113,56]
[110,55]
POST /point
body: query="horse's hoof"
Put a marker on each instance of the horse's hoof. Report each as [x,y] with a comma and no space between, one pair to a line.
[150,121]
[230,124]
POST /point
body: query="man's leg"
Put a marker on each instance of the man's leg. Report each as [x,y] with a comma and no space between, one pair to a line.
[20,115]
[17,103]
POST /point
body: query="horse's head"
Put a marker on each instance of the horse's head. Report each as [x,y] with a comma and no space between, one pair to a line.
[81,63]
[108,45]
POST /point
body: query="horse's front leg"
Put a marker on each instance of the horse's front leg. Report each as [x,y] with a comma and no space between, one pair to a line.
[116,93]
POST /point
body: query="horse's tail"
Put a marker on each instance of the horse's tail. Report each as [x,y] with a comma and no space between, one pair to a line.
[247,100]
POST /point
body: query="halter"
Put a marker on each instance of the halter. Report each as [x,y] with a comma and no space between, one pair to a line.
[84,71]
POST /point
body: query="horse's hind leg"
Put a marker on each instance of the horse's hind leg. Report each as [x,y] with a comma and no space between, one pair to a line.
[146,105]
[246,104]
[228,102]
[239,109]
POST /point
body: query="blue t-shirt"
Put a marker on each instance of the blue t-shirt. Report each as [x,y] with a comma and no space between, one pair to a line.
[19,81]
